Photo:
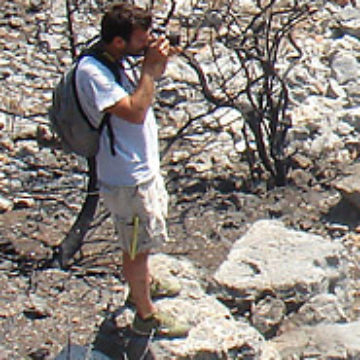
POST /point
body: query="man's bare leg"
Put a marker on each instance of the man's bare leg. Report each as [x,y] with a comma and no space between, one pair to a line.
[137,275]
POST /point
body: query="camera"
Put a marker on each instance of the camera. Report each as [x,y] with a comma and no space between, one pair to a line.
[173,37]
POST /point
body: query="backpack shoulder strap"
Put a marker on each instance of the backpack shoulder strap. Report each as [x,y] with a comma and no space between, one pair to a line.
[97,51]
[107,60]
[105,122]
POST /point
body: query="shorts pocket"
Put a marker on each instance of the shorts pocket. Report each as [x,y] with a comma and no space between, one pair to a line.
[125,230]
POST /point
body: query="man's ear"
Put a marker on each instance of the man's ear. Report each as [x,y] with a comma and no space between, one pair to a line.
[119,42]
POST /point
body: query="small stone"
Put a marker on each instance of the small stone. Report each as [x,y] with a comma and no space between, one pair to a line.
[7,310]
[268,313]
[338,227]
[349,187]
[300,178]
[39,354]
[44,173]
[26,133]
[7,144]
[24,202]
[16,22]
[36,307]
[179,155]
[357,229]
[345,67]
[4,159]
[335,90]
[6,265]
[29,147]
[117,288]
[76,320]
[5,204]
[199,167]
[35,5]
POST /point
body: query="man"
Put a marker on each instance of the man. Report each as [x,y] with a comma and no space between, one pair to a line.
[128,161]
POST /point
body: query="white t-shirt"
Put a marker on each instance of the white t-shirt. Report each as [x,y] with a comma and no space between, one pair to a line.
[136,157]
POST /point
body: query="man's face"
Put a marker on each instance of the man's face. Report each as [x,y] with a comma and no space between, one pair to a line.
[138,42]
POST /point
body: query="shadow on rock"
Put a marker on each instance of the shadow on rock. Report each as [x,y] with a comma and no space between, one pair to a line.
[121,343]
[344,212]
[111,343]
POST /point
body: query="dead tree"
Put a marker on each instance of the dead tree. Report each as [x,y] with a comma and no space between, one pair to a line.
[259,42]
[255,86]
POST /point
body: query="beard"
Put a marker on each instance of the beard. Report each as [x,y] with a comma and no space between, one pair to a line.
[136,52]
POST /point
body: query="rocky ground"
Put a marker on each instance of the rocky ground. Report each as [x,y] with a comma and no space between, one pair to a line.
[212,203]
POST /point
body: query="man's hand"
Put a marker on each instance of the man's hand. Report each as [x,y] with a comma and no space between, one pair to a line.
[156,57]
[175,50]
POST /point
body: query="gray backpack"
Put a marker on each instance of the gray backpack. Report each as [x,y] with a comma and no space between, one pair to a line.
[78,135]
[67,118]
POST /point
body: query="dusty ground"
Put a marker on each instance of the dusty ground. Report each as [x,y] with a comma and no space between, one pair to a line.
[207,214]
[206,217]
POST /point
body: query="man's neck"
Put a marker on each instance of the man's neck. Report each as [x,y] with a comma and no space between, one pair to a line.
[110,50]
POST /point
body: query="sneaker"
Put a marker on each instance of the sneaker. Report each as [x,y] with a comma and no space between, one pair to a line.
[160,324]
[166,287]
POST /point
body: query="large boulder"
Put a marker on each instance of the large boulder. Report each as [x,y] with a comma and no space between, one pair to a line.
[322,341]
[215,333]
[292,265]
[295,289]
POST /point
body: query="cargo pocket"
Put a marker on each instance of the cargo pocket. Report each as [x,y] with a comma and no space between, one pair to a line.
[124,228]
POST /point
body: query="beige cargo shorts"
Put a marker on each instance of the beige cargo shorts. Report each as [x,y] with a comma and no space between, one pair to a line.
[139,214]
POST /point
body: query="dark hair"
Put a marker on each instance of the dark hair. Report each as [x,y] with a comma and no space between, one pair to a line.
[121,20]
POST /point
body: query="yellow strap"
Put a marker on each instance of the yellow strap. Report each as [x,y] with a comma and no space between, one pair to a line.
[134,242]
[108,56]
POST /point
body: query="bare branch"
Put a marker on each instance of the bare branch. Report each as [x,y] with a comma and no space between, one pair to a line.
[70,22]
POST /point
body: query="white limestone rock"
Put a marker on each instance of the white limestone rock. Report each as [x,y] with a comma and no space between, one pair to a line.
[5,204]
[349,186]
[322,341]
[293,265]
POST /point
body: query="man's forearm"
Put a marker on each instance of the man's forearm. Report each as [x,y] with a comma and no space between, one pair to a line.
[133,108]
[143,96]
